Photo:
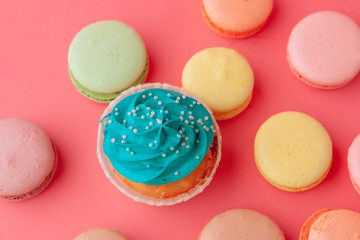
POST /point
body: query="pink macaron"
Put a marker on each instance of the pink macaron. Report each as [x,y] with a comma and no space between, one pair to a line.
[28,159]
[241,224]
[354,163]
[324,50]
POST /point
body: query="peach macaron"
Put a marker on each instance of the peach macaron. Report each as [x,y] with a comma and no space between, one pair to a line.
[236,18]
[241,224]
[222,78]
[293,151]
[100,233]
[332,224]
[28,159]
[324,50]
[354,163]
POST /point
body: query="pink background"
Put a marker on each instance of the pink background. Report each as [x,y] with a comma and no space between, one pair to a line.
[35,85]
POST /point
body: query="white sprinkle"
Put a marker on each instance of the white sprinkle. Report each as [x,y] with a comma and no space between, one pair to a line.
[178,98]
[142,116]
[187,146]
[198,103]
[163,155]
[127,149]
[182,112]
[134,114]
[133,111]
[161,111]
[147,127]
[182,135]
[151,123]
[132,153]
[196,130]
[191,105]
[212,127]
[167,119]
[192,122]
[176,173]
[113,140]
[177,101]
[109,122]
[124,121]
[178,135]
[148,166]
[177,151]
[191,117]
[181,118]
[183,129]
[166,111]
[137,108]
[172,148]
[124,136]
[143,96]
[180,131]
[186,138]
[190,112]
[197,157]
[155,141]
[152,113]
[116,109]
[148,108]
[122,141]
[159,121]
[129,113]
[194,102]
[206,118]
[151,145]
[135,130]
[186,121]
[116,113]
[184,97]
[160,102]
[156,97]
[131,127]
[191,126]
[183,144]
[197,141]
[150,94]
[169,95]
[214,131]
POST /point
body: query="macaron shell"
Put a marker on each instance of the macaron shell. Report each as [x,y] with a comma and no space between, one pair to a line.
[100,234]
[234,18]
[324,49]
[293,151]
[222,78]
[27,159]
[107,56]
[241,224]
[105,97]
[354,163]
[332,224]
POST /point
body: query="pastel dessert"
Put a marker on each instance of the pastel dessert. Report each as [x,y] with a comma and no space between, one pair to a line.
[293,151]
[354,163]
[100,234]
[236,18]
[222,78]
[158,144]
[324,50]
[241,224]
[105,58]
[332,224]
[28,159]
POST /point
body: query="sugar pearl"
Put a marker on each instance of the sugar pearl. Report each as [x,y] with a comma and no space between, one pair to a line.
[176,173]
[113,140]
[163,155]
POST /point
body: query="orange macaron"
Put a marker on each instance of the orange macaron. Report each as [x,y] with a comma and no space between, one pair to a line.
[331,224]
[236,18]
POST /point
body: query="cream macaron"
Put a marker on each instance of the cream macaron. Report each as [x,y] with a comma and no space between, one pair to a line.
[100,233]
[293,151]
[222,78]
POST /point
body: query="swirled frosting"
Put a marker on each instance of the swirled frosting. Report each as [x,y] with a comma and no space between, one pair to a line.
[157,136]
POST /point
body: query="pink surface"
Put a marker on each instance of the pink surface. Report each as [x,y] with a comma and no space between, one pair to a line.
[35,85]
[354,162]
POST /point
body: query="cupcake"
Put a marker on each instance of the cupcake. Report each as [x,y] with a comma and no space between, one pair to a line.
[158,144]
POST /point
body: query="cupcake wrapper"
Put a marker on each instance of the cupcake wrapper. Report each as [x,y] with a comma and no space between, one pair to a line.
[109,170]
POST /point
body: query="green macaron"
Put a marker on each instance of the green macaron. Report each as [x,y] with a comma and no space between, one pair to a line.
[106,58]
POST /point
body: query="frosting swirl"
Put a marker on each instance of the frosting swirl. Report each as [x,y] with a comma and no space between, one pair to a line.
[157,136]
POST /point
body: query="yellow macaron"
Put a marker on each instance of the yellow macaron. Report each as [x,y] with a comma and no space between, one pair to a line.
[222,78]
[293,151]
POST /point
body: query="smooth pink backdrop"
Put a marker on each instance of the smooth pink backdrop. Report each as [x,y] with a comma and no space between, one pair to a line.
[35,85]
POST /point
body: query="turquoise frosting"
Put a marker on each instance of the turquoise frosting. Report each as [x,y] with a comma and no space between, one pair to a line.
[157,136]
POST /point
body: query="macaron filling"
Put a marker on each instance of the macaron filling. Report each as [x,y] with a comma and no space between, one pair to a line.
[157,136]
